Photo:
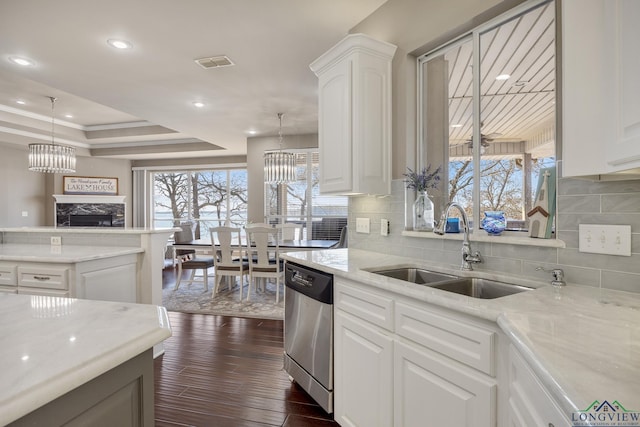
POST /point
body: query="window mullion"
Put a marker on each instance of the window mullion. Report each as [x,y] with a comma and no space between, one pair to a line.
[476,202]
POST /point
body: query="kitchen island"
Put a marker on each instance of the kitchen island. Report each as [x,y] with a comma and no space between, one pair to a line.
[94,245]
[68,359]
[554,355]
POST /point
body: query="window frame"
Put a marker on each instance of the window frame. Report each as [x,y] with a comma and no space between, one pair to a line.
[474,35]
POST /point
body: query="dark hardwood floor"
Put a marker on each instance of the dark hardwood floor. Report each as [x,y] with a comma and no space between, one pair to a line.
[227,372]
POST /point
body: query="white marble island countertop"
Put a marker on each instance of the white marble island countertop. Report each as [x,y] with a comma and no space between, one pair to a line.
[582,342]
[52,345]
[61,254]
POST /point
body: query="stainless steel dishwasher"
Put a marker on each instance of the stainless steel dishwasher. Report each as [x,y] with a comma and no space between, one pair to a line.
[308,331]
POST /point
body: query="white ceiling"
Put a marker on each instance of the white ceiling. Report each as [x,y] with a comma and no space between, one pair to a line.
[272,43]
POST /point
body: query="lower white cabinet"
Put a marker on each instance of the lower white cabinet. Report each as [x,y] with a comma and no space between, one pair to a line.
[108,279]
[404,365]
[363,375]
[530,404]
[431,390]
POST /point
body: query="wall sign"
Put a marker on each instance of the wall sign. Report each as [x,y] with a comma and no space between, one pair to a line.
[90,185]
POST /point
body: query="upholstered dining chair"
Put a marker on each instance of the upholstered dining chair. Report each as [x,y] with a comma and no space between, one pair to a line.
[227,246]
[290,231]
[188,259]
[261,242]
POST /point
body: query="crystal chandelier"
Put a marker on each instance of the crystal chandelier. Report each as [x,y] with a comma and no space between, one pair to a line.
[52,158]
[279,166]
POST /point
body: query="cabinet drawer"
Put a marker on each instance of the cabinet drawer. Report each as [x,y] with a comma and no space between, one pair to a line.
[8,275]
[46,278]
[468,344]
[368,305]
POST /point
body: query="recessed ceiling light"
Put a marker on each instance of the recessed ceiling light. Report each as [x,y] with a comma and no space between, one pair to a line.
[252,132]
[198,104]
[119,44]
[503,77]
[69,116]
[456,126]
[21,102]
[25,62]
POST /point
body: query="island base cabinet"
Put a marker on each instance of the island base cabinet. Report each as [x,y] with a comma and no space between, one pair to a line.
[433,391]
[121,397]
[363,374]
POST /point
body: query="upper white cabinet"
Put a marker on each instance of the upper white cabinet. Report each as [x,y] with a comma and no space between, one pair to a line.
[354,116]
[600,86]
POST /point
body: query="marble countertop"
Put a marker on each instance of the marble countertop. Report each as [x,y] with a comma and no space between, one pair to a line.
[52,345]
[81,230]
[582,342]
[61,254]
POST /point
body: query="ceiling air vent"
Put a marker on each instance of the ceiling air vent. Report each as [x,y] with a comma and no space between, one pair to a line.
[214,62]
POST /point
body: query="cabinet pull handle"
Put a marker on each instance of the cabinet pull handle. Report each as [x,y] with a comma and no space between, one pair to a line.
[42,278]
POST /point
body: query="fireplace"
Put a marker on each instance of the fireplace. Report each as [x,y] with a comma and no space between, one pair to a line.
[90,221]
[89,211]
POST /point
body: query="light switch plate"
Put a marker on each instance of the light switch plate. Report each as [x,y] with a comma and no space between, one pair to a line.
[605,239]
[384,227]
[363,225]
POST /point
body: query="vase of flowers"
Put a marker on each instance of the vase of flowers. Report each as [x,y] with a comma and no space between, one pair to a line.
[422,182]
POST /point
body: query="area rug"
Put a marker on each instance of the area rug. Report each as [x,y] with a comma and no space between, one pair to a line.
[191,298]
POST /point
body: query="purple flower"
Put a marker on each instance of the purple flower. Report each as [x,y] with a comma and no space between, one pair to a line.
[423,180]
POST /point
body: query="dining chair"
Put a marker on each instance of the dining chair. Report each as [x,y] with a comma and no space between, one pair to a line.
[227,246]
[194,262]
[261,243]
[290,231]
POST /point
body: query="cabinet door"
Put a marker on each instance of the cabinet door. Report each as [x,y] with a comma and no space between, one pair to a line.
[623,34]
[334,128]
[600,102]
[363,374]
[529,403]
[431,390]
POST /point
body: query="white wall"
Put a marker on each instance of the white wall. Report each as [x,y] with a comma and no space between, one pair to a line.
[20,190]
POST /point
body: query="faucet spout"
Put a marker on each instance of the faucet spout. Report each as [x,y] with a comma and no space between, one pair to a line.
[468,257]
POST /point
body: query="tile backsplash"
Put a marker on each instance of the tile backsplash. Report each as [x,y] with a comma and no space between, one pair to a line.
[579,201]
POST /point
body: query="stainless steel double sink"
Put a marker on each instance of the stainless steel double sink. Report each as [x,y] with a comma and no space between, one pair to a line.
[470,286]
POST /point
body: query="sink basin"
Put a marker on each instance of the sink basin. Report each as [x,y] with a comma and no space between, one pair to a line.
[416,275]
[480,288]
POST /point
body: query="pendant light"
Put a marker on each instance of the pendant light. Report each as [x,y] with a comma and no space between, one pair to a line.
[52,158]
[279,166]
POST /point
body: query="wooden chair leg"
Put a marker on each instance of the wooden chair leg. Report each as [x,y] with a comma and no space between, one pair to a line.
[205,279]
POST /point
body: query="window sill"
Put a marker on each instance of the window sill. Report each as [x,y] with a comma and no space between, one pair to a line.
[507,238]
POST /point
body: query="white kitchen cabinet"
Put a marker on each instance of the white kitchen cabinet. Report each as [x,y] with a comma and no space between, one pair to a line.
[363,373]
[399,363]
[600,88]
[435,388]
[108,279]
[354,117]
[530,404]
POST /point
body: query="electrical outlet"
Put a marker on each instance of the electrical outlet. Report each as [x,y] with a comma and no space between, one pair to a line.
[605,239]
[363,225]
[384,227]
[25,213]
[56,240]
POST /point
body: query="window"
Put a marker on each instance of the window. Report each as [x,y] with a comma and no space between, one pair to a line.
[211,197]
[301,202]
[497,119]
